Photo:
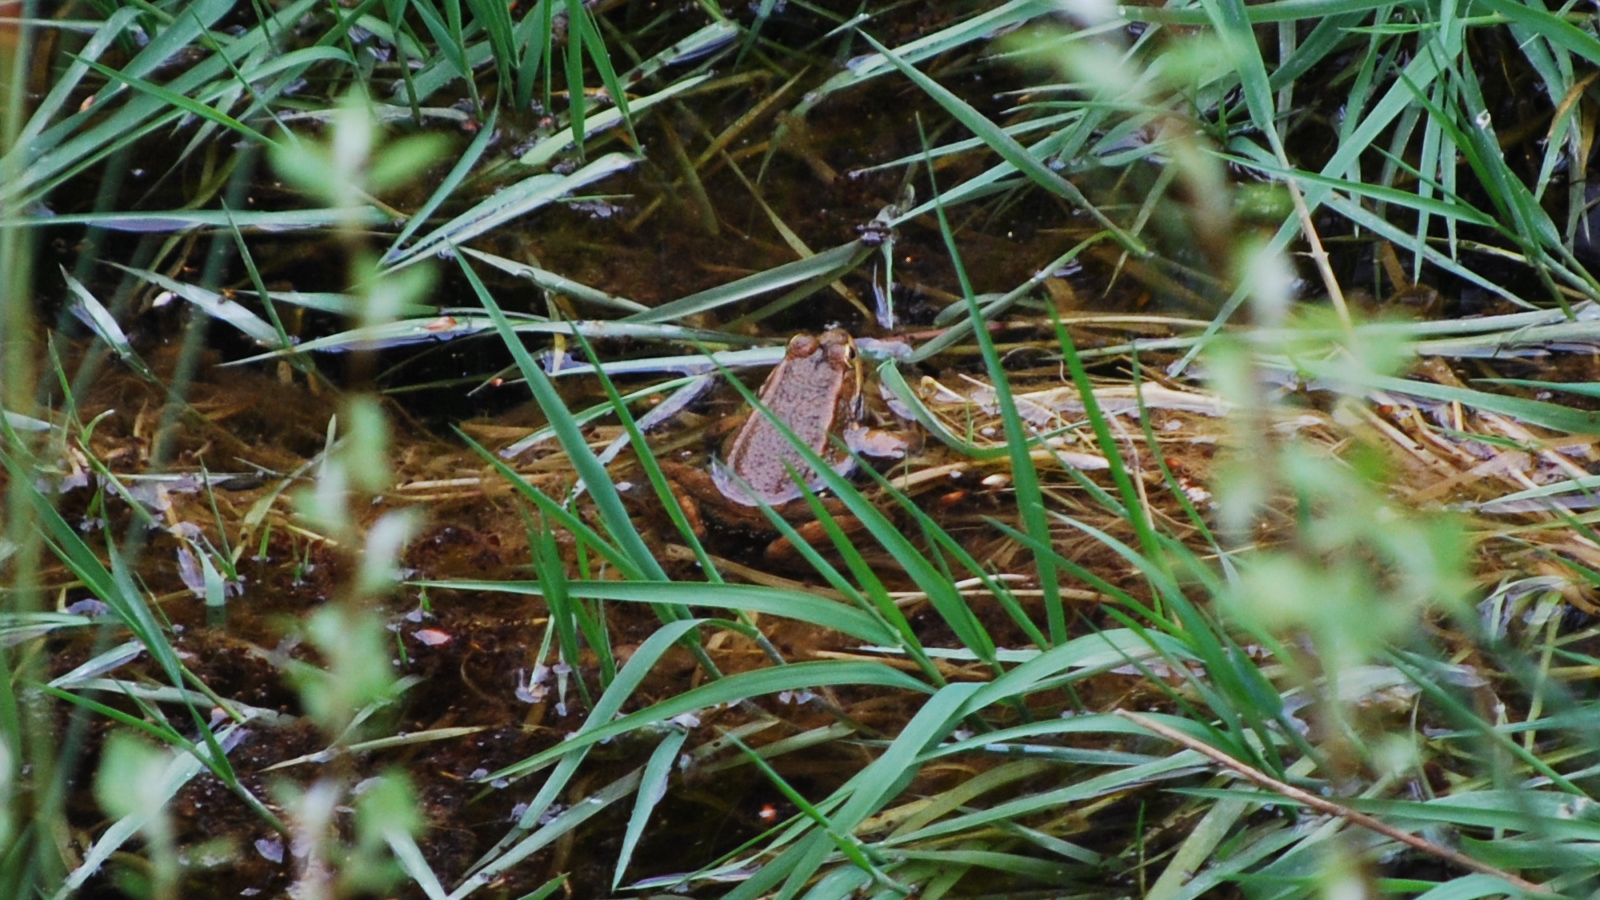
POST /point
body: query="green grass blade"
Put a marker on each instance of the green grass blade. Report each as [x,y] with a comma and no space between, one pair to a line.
[518,200]
[554,587]
[594,475]
[546,150]
[595,46]
[93,313]
[182,220]
[773,601]
[181,101]
[1533,412]
[732,688]
[113,29]
[1024,477]
[570,754]
[214,305]
[568,520]
[817,270]
[1555,29]
[447,188]
[180,771]
[652,787]
[577,103]
[560,284]
[1010,150]
[928,577]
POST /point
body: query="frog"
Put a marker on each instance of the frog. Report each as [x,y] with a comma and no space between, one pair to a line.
[817,391]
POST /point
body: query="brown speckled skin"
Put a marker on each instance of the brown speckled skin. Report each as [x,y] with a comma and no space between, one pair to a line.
[816,390]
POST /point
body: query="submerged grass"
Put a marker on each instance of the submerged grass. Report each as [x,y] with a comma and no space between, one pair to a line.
[1106,662]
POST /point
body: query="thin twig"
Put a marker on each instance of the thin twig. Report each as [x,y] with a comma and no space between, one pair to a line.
[1309,229]
[1318,255]
[1333,809]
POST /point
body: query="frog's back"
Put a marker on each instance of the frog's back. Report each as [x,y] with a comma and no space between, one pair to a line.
[806,392]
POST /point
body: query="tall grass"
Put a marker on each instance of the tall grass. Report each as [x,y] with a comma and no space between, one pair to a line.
[1300,677]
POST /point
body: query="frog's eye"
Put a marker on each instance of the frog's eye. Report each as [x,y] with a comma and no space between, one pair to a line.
[838,343]
[802,345]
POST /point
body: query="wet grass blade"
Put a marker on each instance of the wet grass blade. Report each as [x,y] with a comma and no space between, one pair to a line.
[453,324]
[784,603]
[1383,228]
[996,588]
[183,102]
[568,617]
[1581,388]
[1237,692]
[816,270]
[533,36]
[1024,477]
[577,103]
[1533,412]
[338,304]
[215,305]
[844,882]
[495,20]
[905,394]
[594,475]
[568,520]
[518,200]
[1132,505]
[560,284]
[691,384]
[861,796]
[114,588]
[1010,150]
[651,467]
[182,220]
[548,149]
[180,771]
[583,28]
[92,313]
[604,723]
[450,40]
[703,43]
[652,788]
[447,188]
[873,596]
[569,757]
[1362,128]
[732,688]
[58,154]
[967,31]
[112,30]
[1555,29]
[704,363]
[562,825]
[928,577]
[1181,765]
[385,743]
[413,863]
[401,333]
[589,467]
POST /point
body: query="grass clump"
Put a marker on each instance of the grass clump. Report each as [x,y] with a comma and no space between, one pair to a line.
[1170,603]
